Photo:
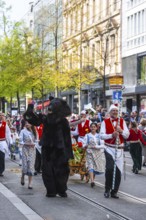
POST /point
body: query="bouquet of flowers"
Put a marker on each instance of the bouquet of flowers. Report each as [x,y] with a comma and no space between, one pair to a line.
[77,152]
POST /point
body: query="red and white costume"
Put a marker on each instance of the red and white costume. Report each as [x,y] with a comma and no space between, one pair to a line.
[5,138]
[81,130]
[108,126]
[39,131]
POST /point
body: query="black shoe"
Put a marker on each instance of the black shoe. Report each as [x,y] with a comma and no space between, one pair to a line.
[22,181]
[39,172]
[114,195]
[106,194]
[1,174]
[144,164]
[30,187]
[92,184]
[136,171]
[62,194]
[50,195]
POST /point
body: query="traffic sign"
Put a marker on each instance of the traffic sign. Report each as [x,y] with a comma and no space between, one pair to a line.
[117,95]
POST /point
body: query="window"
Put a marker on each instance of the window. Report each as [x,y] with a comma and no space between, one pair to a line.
[93,55]
[128,27]
[71,23]
[142,73]
[94,8]
[112,48]
[98,53]
[135,23]
[66,26]
[115,5]
[107,7]
[139,22]
[70,61]
[76,20]
[87,14]
[107,51]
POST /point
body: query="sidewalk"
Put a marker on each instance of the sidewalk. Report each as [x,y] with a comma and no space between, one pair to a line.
[11,207]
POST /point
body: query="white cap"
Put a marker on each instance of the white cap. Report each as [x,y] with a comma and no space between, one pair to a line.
[113,107]
[83,112]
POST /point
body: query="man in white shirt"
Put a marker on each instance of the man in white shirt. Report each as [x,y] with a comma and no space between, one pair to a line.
[82,128]
[113,130]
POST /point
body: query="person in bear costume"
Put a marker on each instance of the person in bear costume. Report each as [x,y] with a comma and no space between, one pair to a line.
[56,145]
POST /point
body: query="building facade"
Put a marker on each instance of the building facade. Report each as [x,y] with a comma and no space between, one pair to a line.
[92,40]
[134,54]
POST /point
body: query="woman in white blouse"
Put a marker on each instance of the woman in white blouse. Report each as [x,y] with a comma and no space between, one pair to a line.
[28,138]
[94,153]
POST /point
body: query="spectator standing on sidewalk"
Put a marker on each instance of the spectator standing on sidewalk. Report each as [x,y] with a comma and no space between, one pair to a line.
[5,140]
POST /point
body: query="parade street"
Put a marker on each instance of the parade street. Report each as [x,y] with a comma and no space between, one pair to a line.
[83,202]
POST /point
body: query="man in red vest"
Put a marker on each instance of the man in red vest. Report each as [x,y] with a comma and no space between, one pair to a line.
[5,140]
[82,128]
[111,129]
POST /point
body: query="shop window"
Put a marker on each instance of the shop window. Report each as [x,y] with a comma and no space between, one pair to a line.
[142,69]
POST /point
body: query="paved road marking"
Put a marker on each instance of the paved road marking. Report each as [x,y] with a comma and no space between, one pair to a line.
[19,204]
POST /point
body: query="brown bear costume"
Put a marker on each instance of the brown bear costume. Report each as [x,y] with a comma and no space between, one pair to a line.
[56,145]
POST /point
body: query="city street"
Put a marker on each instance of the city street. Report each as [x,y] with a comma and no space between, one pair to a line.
[83,202]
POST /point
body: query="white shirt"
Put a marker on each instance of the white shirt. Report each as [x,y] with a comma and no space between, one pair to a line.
[76,131]
[4,144]
[105,136]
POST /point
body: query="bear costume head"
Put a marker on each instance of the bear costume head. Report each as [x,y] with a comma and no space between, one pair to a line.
[59,108]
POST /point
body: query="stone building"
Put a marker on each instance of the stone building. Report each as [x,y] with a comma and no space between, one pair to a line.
[92,41]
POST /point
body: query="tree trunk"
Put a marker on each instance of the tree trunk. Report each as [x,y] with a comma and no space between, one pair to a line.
[18,101]
[11,100]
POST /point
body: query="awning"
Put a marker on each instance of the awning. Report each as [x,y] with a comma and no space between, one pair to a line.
[40,106]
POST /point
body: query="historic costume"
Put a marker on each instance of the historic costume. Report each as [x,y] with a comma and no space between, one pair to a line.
[95,154]
[136,140]
[28,139]
[142,127]
[110,130]
[5,140]
[82,128]
[38,151]
[56,145]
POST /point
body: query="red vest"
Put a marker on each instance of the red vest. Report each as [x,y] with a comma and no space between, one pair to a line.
[3,130]
[110,129]
[85,129]
[40,130]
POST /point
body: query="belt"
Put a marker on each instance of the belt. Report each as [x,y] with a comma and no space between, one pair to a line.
[2,139]
[120,147]
[134,142]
